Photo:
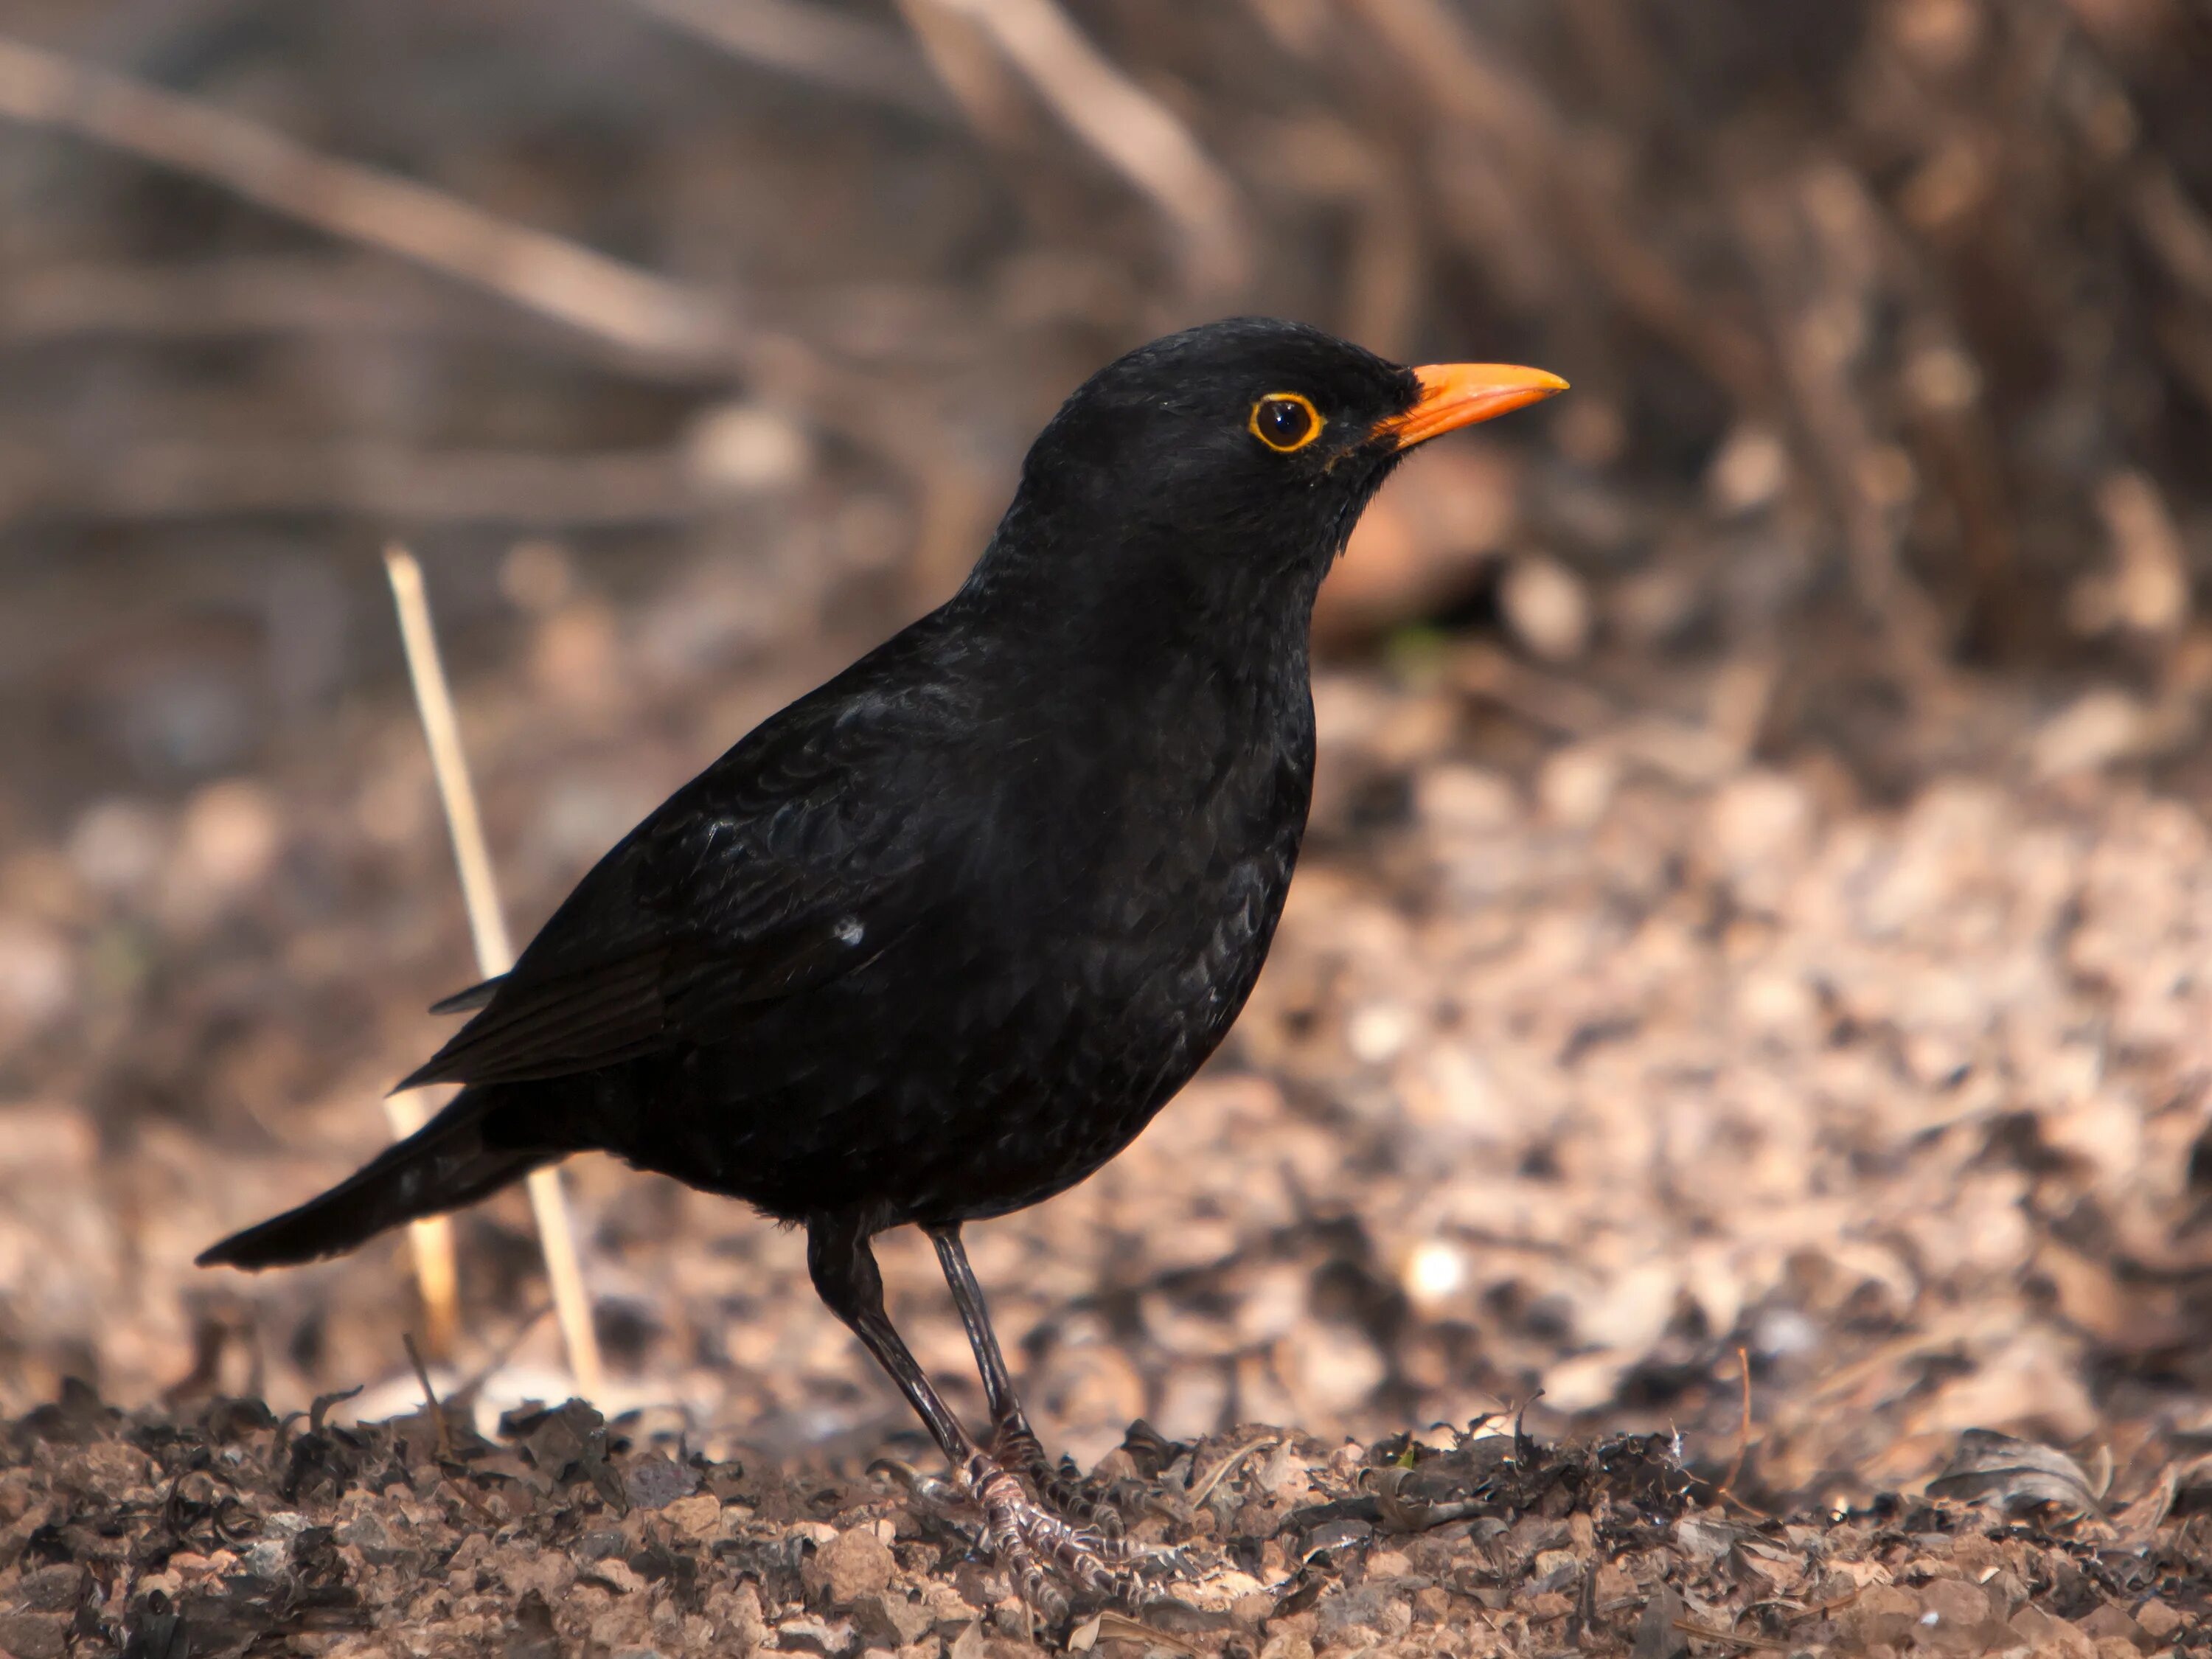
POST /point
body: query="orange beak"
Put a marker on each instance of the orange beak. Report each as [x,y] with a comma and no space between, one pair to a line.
[1455,395]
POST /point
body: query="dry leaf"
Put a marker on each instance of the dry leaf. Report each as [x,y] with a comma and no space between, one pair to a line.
[2015,1474]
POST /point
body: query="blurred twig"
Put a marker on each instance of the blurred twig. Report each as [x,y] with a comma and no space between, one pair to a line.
[341,297]
[662,321]
[1458,74]
[557,278]
[1135,133]
[814,43]
[185,479]
[1726,1490]
[2175,228]
[1323,159]
[430,1401]
[1810,241]
[494,954]
[215,298]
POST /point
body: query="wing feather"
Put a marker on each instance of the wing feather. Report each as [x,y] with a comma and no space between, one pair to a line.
[566,1024]
[462,1002]
[797,857]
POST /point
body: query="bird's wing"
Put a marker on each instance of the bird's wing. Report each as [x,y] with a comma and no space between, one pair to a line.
[794,859]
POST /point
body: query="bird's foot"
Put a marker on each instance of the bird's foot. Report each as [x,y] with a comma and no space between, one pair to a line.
[1028,1539]
[1035,1546]
[1015,1448]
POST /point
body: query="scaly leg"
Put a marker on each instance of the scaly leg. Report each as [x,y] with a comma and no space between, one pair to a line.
[1020,1531]
[1013,1442]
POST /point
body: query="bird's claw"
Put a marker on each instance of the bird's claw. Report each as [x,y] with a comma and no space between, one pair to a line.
[1015,1448]
[1025,1536]
[1033,1544]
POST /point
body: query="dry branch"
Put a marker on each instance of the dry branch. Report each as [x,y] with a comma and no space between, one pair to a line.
[1135,134]
[153,482]
[2176,228]
[1457,73]
[634,308]
[341,297]
[810,43]
[661,324]
[219,298]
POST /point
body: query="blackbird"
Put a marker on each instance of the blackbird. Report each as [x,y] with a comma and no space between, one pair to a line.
[936,941]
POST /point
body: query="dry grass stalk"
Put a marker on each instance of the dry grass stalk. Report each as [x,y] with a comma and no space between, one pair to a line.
[488,927]
[431,1399]
[432,1242]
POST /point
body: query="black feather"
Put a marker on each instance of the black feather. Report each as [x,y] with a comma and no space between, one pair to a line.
[448,1162]
[475,997]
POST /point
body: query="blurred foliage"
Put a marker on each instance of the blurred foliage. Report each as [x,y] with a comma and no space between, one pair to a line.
[1891,324]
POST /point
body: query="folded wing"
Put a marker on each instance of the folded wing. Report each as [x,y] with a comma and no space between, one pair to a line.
[796,858]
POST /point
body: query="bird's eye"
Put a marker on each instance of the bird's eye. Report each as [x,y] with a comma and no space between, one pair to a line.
[1286,421]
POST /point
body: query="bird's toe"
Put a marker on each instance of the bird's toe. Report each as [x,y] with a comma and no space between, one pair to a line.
[1026,1537]
[1059,1485]
[1039,1548]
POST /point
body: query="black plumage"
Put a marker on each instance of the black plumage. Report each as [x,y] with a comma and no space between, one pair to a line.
[937,940]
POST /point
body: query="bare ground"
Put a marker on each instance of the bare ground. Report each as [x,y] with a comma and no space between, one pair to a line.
[1609,1071]
[228,1531]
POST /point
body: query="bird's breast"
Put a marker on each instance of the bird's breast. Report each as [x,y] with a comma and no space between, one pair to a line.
[1169,849]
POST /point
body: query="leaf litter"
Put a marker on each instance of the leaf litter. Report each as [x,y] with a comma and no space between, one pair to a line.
[227,1531]
[1843,1160]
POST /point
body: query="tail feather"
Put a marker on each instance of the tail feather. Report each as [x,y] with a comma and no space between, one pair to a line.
[443,1165]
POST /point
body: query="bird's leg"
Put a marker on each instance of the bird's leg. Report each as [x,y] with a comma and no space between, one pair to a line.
[1021,1532]
[843,1265]
[1013,1442]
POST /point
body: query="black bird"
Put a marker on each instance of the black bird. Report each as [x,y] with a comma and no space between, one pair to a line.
[936,941]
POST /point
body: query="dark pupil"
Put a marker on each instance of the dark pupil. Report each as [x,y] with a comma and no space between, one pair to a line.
[1285,421]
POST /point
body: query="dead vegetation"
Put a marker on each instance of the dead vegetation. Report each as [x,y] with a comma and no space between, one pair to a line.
[231,1531]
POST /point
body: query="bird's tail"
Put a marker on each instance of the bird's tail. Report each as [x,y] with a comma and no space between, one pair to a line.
[447,1163]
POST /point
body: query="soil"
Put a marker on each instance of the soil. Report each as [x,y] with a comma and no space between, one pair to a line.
[228,1531]
[1620,1078]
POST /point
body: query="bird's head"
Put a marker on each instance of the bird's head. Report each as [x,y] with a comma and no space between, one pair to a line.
[1233,457]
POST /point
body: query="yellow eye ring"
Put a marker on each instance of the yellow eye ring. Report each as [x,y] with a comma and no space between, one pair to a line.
[1286,421]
